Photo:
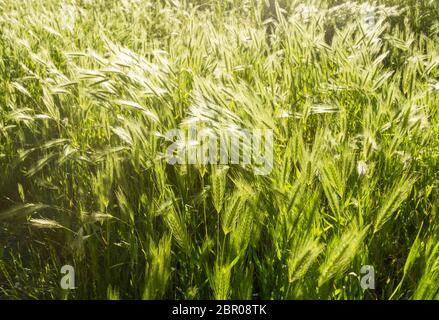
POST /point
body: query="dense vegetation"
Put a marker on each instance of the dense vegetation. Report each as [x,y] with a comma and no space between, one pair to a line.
[89,88]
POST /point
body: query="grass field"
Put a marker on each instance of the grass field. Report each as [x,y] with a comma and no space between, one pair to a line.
[350,92]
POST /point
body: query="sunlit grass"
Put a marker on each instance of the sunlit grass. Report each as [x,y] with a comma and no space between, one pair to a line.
[88,90]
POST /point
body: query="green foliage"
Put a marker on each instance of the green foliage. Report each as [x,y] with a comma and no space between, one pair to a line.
[88,90]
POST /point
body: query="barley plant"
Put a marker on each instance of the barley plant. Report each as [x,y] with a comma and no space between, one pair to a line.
[349,90]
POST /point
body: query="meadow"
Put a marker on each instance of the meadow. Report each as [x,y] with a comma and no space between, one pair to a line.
[350,91]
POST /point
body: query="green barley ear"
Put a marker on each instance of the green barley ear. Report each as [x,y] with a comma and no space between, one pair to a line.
[393,200]
[242,232]
[332,186]
[234,205]
[302,258]
[158,269]
[219,180]
[125,207]
[220,281]
[177,226]
[21,210]
[340,253]
[45,223]
[21,192]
